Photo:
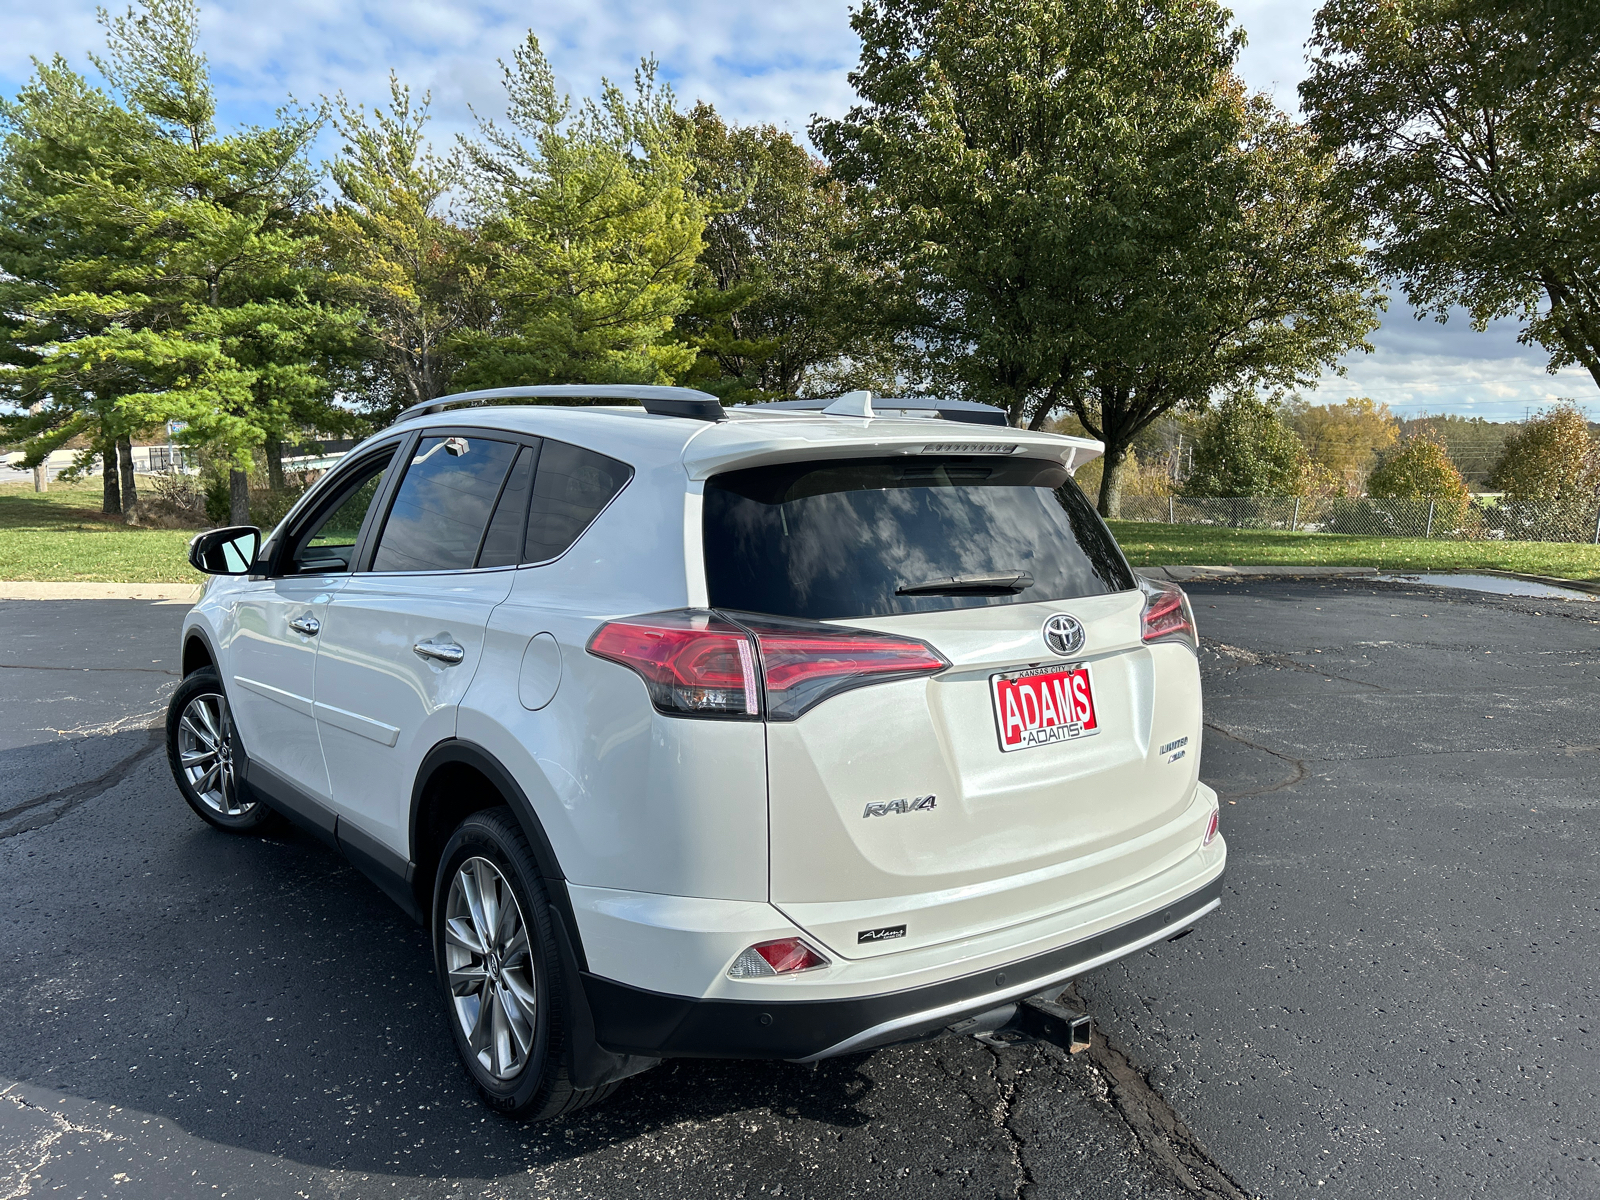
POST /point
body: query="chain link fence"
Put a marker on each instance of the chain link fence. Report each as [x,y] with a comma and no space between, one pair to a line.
[1477,520]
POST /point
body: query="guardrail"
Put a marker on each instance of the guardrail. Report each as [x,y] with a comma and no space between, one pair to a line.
[1476,520]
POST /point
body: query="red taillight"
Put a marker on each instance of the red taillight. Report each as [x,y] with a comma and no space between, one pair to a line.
[782,957]
[805,663]
[698,663]
[1211,828]
[1167,615]
[692,663]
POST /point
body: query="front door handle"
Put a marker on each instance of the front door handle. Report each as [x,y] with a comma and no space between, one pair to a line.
[447,653]
[309,626]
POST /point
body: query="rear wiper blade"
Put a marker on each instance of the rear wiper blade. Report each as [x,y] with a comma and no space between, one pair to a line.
[1007,583]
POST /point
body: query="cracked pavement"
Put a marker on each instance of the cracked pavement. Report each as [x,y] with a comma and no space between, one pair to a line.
[1398,997]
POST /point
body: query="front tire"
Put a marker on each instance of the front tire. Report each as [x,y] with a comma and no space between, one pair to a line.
[504,989]
[203,751]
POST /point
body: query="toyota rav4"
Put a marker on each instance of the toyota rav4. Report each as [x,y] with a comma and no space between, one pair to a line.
[783,732]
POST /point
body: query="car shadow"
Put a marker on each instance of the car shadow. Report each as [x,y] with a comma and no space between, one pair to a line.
[259,993]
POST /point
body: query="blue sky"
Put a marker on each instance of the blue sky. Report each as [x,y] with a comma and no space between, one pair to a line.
[756,62]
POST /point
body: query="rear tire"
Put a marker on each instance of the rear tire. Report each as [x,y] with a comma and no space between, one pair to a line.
[504,990]
[203,751]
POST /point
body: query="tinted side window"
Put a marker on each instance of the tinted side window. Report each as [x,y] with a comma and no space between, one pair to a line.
[570,488]
[873,537]
[326,547]
[502,545]
[442,507]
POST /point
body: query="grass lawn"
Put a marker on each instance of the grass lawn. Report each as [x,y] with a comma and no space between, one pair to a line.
[1149,544]
[61,536]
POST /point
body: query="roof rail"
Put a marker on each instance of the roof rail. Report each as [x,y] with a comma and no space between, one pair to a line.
[864,404]
[662,401]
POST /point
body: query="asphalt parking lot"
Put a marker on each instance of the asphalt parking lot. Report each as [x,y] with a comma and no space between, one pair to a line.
[1400,996]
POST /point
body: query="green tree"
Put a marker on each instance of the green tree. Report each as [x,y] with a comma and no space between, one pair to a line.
[415,275]
[1089,211]
[1467,129]
[1269,298]
[1245,448]
[56,132]
[202,244]
[1552,457]
[220,248]
[593,232]
[781,306]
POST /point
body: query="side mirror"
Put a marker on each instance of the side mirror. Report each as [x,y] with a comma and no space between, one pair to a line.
[230,551]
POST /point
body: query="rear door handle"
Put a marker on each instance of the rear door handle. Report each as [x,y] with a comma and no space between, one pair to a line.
[309,626]
[447,653]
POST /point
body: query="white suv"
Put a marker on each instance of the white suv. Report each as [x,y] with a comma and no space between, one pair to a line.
[781,732]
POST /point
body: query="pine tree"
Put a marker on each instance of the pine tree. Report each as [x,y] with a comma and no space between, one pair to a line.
[592,232]
[58,131]
[190,244]
[415,275]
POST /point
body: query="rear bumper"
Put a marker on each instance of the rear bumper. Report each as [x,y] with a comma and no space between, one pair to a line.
[631,1020]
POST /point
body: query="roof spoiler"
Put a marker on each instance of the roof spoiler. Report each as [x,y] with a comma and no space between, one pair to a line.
[661,401]
[864,404]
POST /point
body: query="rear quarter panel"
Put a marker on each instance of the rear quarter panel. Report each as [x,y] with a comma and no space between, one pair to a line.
[629,799]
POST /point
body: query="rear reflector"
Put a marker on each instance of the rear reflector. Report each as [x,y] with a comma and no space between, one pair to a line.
[783,957]
[705,664]
[693,663]
[1167,616]
[1211,828]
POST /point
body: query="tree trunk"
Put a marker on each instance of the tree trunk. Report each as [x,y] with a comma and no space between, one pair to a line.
[41,478]
[275,464]
[238,497]
[130,490]
[110,493]
[1111,480]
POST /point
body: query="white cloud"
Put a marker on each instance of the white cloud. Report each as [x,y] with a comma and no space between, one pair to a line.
[777,63]
[1422,366]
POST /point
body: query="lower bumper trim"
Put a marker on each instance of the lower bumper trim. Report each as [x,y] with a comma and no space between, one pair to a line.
[632,1020]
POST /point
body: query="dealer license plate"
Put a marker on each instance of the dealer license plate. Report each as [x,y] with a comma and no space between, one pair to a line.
[1044,705]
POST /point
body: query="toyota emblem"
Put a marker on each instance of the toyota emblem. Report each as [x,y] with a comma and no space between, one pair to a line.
[1063,634]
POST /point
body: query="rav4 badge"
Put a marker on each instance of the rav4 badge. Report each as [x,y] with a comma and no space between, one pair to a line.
[882,808]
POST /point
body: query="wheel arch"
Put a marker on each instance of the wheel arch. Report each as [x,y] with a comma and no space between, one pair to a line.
[198,652]
[482,780]
[456,779]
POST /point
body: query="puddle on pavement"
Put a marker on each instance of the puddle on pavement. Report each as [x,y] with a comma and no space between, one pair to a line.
[1494,584]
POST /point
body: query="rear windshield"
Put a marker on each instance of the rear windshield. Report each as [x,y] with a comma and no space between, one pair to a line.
[872,537]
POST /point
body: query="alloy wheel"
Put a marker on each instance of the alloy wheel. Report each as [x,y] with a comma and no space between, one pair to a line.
[205,753]
[491,970]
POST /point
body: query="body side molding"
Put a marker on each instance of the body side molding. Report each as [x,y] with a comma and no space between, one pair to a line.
[305,811]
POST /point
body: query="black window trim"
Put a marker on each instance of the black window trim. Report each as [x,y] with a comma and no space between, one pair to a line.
[315,506]
[633,473]
[368,549]
[536,448]
[405,448]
